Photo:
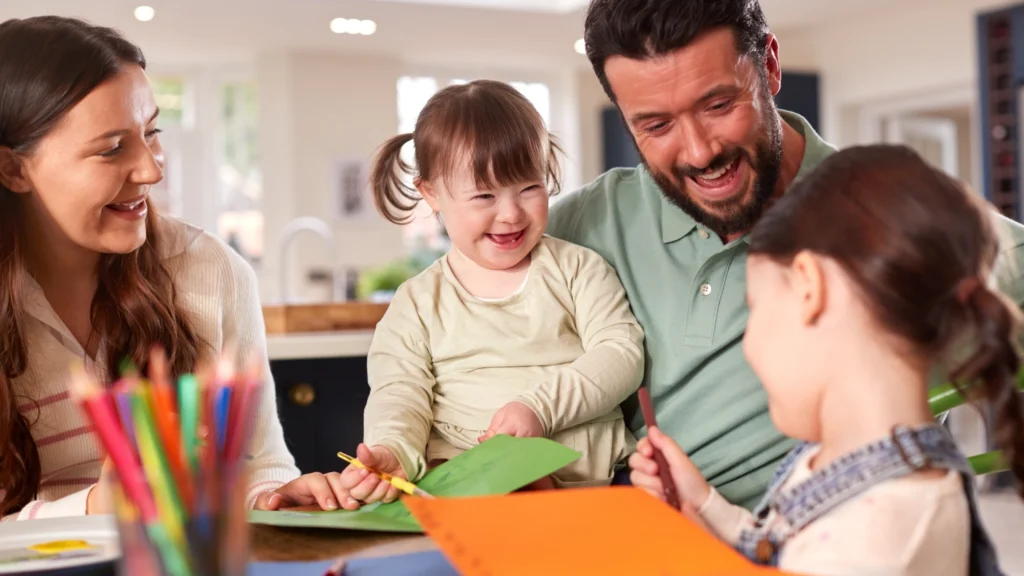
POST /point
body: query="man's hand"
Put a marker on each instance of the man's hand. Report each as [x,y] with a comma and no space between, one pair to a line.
[514,419]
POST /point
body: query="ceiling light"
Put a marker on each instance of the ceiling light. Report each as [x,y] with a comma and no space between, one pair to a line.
[352,26]
[144,13]
[580,46]
[367,27]
[339,26]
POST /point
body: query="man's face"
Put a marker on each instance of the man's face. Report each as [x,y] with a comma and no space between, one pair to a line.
[704,120]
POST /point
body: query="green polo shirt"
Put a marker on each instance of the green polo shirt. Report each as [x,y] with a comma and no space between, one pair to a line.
[687,290]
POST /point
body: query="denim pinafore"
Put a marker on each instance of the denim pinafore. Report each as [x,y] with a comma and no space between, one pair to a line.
[906,451]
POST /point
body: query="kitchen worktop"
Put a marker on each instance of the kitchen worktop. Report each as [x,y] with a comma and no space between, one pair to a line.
[304,345]
[322,316]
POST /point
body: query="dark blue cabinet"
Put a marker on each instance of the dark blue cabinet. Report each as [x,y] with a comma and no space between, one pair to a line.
[618,146]
[320,402]
[800,94]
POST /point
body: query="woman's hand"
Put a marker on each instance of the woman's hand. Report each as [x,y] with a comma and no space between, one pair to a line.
[692,488]
[349,489]
[514,419]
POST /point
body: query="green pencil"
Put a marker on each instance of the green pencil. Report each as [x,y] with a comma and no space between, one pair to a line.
[154,461]
[188,406]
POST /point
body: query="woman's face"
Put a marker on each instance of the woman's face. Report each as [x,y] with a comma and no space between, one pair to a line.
[87,181]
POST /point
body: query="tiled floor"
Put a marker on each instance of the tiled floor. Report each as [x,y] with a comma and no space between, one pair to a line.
[1003,516]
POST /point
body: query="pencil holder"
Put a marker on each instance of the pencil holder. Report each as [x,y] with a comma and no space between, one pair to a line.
[179,474]
[138,554]
[208,545]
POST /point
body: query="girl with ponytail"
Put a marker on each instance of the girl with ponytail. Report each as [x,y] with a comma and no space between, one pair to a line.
[865,278]
[512,332]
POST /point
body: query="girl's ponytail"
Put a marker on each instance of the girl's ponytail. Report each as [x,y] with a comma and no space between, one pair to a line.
[991,372]
[553,167]
[394,198]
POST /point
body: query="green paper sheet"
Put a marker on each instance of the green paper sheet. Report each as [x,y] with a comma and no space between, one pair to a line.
[500,465]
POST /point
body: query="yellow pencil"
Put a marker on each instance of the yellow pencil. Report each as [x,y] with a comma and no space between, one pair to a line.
[400,483]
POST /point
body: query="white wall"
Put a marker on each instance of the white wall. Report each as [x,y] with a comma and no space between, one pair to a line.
[591,99]
[316,108]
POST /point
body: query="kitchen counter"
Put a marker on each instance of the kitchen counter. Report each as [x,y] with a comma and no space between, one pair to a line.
[305,345]
[327,317]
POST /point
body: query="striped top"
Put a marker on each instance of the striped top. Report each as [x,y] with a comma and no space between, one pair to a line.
[218,288]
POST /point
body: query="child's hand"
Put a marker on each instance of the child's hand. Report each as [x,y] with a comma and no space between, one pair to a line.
[692,488]
[361,486]
[347,487]
[514,419]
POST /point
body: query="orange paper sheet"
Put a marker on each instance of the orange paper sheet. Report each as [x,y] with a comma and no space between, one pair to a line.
[614,530]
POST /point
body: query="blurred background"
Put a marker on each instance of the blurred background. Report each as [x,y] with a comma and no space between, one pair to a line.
[272,109]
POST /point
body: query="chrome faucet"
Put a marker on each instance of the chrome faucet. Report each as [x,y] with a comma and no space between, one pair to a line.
[311,224]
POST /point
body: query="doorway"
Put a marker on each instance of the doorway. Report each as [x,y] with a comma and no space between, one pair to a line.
[942,126]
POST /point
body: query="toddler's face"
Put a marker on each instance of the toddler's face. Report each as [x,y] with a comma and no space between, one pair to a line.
[496,229]
[783,347]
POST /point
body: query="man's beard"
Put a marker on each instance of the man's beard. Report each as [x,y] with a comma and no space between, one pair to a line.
[738,214]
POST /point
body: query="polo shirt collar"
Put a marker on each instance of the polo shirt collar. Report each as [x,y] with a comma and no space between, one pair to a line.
[675,223]
[816,149]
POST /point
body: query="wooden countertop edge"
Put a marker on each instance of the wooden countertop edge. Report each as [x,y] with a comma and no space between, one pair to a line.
[323,317]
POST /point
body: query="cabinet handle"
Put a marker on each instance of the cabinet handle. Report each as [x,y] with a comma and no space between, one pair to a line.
[302,394]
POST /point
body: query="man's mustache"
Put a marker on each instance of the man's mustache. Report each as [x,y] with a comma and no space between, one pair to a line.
[717,163]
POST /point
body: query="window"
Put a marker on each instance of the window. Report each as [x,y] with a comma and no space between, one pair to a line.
[538,95]
[240,222]
[169,92]
[425,231]
[413,94]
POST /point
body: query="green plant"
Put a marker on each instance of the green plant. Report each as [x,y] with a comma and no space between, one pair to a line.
[385,278]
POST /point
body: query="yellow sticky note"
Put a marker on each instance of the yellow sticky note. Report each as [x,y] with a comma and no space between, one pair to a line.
[60,546]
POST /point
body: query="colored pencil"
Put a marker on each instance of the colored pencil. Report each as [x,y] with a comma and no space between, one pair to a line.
[400,483]
[667,483]
[188,404]
[86,390]
[223,410]
[167,422]
[124,411]
[179,459]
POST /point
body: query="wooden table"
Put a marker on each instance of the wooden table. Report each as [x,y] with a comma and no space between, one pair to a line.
[273,544]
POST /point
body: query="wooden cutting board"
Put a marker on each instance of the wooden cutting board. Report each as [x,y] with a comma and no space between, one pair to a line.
[325,317]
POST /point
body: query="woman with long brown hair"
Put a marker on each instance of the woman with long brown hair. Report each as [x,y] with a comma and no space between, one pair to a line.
[89,272]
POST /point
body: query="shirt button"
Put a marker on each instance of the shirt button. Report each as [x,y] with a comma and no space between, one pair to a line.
[703,234]
[705,289]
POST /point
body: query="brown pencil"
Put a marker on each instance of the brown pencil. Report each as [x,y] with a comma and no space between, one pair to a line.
[668,484]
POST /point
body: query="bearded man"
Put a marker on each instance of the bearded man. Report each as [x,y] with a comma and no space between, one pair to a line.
[694,81]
